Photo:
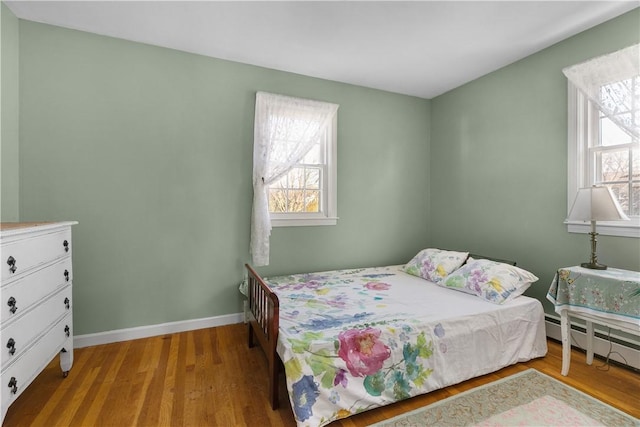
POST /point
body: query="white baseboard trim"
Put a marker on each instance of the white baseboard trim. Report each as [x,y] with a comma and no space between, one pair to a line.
[579,339]
[108,337]
[600,345]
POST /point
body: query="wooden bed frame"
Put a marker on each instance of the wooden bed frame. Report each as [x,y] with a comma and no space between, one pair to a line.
[264,322]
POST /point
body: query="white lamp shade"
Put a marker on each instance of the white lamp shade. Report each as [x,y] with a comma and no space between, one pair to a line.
[596,204]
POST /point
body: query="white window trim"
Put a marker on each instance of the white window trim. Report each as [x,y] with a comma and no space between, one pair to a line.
[303,222]
[329,216]
[579,109]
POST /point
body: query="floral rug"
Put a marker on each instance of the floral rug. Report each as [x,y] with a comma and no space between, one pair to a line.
[528,398]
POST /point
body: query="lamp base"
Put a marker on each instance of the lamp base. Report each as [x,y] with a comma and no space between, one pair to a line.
[593,266]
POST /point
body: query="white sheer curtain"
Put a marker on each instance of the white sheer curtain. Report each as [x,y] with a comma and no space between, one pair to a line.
[607,81]
[285,130]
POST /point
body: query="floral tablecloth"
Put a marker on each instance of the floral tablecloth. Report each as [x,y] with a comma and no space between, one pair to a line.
[611,293]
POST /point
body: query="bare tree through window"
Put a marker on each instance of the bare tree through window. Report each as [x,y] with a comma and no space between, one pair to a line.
[616,158]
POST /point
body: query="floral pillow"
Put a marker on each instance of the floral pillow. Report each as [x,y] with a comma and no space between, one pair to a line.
[435,264]
[493,281]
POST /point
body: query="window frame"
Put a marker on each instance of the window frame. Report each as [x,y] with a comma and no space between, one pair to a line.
[329,199]
[583,130]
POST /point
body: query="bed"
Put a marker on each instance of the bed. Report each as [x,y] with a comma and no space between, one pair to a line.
[356,339]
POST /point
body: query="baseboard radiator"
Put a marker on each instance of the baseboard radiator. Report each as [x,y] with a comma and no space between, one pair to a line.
[622,350]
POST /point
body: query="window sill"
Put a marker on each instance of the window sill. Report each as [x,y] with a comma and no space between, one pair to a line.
[303,222]
[604,228]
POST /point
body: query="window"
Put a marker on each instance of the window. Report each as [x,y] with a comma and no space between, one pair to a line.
[615,156]
[604,135]
[294,167]
[306,194]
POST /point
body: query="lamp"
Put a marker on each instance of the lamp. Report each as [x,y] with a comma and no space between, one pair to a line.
[593,204]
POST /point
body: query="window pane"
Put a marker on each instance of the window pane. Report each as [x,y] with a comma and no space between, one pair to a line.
[635,170]
[296,201]
[291,201]
[312,201]
[281,183]
[612,134]
[630,203]
[277,200]
[635,200]
[298,191]
[621,191]
[312,178]
[614,166]
[296,178]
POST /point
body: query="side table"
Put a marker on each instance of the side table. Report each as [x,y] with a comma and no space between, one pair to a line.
[607,297]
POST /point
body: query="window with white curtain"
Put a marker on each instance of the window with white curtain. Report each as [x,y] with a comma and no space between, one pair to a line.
[294,167]
[604,134]
[306,194]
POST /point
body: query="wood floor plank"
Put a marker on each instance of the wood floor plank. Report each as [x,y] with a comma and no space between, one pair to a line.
[179,378]
[210,377]
[100,410]
[145,373]
[98,390]
[207,366]
[124,395]
[73,401]
[191,393]
[50,411]
[149,415]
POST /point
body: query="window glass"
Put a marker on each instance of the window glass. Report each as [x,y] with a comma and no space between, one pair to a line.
[307,192]
[613,151]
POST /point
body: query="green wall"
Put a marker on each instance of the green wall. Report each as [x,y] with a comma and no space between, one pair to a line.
[150,149]
[9,141]
[499,162]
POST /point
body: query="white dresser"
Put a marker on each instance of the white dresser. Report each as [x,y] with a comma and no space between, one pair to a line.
[35,303]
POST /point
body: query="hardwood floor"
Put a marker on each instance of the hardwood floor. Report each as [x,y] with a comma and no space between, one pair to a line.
[210,377]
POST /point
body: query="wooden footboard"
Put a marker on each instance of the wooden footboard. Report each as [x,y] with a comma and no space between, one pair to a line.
[264,309]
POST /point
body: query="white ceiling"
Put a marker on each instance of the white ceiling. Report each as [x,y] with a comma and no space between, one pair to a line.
[420,48]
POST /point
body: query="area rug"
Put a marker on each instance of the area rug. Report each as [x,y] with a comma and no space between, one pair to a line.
[528,398]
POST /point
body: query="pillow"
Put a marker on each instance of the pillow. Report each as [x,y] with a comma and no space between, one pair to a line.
[492,281]
[435,264]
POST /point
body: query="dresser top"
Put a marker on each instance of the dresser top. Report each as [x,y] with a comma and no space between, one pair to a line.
[8,228]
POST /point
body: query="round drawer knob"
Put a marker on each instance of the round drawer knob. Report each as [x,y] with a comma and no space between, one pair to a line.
[67,331]
[66,246]
[66,275]
[66,303]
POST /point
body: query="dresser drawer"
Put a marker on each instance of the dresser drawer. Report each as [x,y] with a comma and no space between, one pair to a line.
[19,335]
[21,255]
[17,376]
[19,295]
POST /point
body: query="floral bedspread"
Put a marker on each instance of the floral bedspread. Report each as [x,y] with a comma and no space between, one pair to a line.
[352,340]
